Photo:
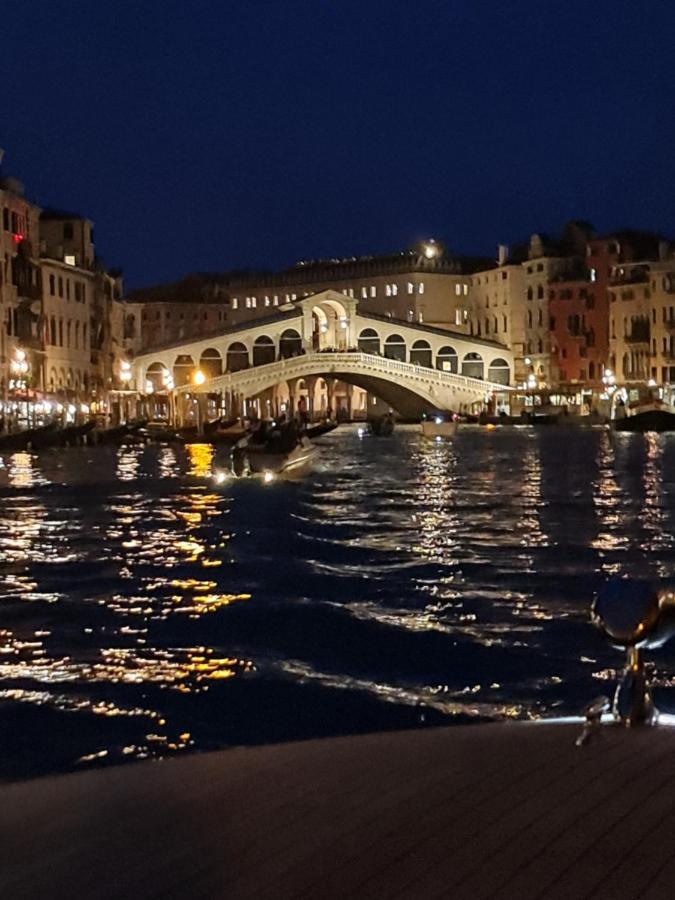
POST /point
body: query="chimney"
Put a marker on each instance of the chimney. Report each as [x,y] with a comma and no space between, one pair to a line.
[502,254]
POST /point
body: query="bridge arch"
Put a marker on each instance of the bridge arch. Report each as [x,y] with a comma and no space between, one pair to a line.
[369,341]
[264,350]
[237,357]
[290,343]
[420,354]
[157,374]
[211,362]
[473,366]
[183,367]
[499,371]
[447,359]
[395,348]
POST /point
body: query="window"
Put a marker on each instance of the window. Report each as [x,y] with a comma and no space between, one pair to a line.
[458,289]
[420,287]
[69,260]
[267,300]
[420,318]
[394,290]
[411,315]
[373,291]
[67,288]
[387,290]
[529,293]
[540,267]
[52,285]
[364,292]
[458,317]
[594,274]
[60,332]
[254,302]
[248,303]
[276,299]
[5,219]
[505,275]
[68,231]
[235,303]
[540,292]
[411,287]
[60,287]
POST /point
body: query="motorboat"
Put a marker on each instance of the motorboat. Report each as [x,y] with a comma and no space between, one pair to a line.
[439,426]
[271,451]
[642,408]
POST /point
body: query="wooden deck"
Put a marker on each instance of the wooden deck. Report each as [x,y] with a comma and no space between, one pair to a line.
[467,812]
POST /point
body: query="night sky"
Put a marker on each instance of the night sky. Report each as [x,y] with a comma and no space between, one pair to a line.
[216,135]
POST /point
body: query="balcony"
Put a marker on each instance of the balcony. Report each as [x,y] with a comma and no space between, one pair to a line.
[638,339]
[637,275]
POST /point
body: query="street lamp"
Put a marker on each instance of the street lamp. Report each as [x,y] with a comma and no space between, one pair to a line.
[125,371]
[430,249]
[199,377]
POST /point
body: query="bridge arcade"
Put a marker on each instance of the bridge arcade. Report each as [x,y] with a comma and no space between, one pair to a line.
[254,362]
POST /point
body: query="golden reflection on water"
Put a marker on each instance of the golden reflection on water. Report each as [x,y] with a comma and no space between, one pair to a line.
[533,534]
[23,471]
[607,502]
[128,463]
[436,520]
[200,457]
[652,512]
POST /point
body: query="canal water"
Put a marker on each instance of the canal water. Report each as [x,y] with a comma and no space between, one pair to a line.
[146,611]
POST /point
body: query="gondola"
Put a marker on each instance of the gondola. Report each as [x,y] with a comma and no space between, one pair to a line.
[382,426]
[316,431]
[28,439]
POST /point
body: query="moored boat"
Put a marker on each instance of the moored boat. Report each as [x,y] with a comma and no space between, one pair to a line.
[641,408]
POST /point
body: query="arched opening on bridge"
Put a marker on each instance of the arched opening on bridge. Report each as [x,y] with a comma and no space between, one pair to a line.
[394,347]
[320,338]
[473,366]
[237,357]
[263,350]
[290,343]
[211,363]
[499,371]
[446,360]
[369,341]
[420,354]
[157,374]
[182,370]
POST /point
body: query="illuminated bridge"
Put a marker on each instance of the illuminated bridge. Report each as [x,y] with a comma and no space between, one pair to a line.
[324,339]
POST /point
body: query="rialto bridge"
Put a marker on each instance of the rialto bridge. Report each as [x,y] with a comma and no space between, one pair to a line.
[305,353]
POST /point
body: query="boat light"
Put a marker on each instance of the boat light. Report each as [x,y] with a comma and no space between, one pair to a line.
[220,477]
[268,477]
[360,431]
[438,420]
[438,438]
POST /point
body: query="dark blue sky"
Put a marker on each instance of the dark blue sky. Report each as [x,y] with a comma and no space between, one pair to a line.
[207,135]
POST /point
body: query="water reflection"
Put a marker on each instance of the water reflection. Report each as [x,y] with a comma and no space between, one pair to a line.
[403,579]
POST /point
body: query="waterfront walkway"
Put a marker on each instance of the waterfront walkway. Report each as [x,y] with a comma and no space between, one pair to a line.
[511,810]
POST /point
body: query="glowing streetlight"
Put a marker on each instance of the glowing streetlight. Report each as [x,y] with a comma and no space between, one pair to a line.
[430,249]
[199,377]
[125,371]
